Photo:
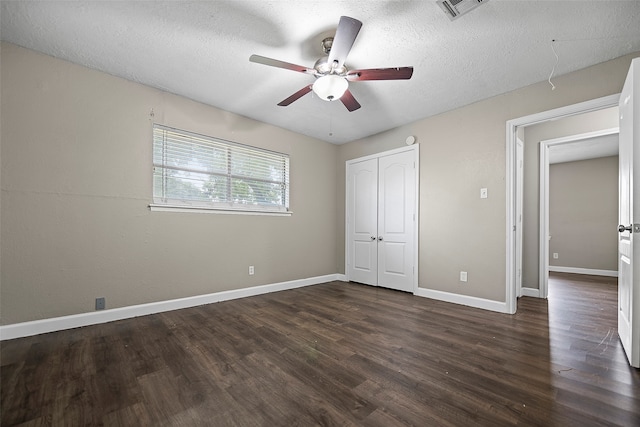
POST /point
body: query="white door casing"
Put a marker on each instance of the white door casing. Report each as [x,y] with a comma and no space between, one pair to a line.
[629,204]
[519,201]
[381,219]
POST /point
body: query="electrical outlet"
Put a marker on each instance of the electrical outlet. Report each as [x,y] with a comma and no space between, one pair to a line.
[251,270]
[463,276]
[100,303]
[555,255]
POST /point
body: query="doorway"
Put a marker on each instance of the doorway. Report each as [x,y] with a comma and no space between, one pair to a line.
[513,129]
[563,152]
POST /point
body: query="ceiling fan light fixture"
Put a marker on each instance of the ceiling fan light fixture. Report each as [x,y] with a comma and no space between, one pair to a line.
[330,87]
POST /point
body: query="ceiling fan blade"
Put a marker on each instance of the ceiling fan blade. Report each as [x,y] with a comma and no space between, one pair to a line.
[281,64]
[398,73]
[348,29]
[299,94]
[349,101]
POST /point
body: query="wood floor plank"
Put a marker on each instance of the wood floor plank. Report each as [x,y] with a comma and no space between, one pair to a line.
[335,354]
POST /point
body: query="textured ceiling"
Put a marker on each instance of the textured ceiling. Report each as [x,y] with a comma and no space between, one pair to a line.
[585,149]
[201,50]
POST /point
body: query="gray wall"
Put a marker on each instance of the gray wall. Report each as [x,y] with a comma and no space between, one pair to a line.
[76,184]
[462,151]
[574,125]
[583,214]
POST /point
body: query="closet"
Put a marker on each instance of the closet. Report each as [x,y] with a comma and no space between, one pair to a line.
[382,219]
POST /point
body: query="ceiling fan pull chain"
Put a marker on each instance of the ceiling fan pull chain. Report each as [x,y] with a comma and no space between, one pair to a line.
[330,123]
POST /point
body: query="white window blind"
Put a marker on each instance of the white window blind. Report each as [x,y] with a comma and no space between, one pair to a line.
[197,171]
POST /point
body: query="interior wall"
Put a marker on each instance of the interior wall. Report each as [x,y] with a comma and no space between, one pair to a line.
[77,182]
[583,214]
[0,179]
[462,151]
[573,125]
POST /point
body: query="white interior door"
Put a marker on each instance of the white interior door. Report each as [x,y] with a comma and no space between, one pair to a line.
[362,220]
[629,197]
[381,219]
[396,219]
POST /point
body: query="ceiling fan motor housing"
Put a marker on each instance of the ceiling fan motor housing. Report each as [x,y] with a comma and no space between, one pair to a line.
[323,67]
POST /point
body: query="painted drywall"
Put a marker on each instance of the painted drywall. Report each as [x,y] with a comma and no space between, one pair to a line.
[462,151]
[76,185]
[583,214]
[0,179]
[574,125]
[76,182]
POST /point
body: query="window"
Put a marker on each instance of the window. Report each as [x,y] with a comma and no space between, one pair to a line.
[200,172]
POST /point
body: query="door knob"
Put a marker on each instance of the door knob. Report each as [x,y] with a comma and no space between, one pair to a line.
[380,238]
[373,237]
[622,228]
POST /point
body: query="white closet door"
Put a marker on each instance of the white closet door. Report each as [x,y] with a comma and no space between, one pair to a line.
[396,222]
[362,217]
[381,220]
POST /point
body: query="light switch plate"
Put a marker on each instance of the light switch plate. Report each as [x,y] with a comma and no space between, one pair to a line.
[483,193]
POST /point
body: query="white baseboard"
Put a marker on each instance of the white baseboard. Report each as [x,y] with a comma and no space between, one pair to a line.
[530,292]
[25,329]
[590,271]
[500,307]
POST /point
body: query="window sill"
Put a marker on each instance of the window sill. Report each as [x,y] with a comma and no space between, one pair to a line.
[199,209]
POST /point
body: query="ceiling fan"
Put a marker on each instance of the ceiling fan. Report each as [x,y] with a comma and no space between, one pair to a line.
[332,76]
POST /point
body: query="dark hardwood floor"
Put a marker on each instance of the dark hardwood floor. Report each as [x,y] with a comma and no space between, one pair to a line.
[334,354]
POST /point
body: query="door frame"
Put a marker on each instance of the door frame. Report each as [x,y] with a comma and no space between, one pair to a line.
[511,293]
[519,201]
[416,229]
[545,147]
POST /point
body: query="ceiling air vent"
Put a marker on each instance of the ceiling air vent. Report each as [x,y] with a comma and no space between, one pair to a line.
[456,8]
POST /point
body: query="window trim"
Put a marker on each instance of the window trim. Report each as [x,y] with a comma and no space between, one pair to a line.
[195,206]
[155,207]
